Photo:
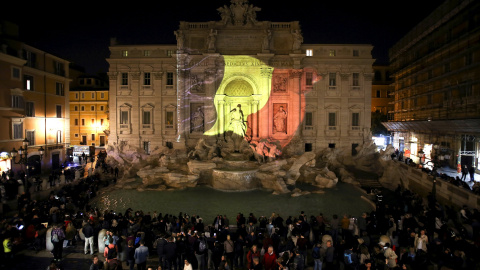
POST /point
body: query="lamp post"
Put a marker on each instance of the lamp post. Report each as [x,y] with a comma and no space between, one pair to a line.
[22,153]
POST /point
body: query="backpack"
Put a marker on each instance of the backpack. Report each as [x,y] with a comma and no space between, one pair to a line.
[316,253]
[202,246]
[55,237]
[347,257]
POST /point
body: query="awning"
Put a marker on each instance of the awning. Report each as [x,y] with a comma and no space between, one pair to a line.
[458,126]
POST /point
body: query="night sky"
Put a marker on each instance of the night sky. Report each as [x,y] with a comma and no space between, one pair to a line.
[80,31]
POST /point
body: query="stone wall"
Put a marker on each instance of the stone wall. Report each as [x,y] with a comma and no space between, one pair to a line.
[446,193]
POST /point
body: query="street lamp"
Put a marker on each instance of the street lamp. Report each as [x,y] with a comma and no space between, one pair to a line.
[22,153]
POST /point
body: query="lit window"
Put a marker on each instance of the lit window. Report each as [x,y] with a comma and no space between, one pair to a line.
[356,53]
[331,53]
[146,53]
[28,82]
[309,52]
[124,53]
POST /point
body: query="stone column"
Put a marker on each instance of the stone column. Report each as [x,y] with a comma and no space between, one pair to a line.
[296,102]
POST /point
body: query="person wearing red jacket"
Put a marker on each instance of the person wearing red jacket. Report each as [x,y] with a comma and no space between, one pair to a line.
[270,259]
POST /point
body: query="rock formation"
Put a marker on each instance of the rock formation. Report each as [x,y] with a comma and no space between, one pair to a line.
[260,164]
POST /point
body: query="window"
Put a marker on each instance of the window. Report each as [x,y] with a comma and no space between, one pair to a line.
[169,52]
[16,73]
[30,136]
[356,79]
[59,68]
[332,79]
[75,108]
[76,122]
[332,121]
[355,120]
[124,78]
[146,53]
[146,118]
[146,147]
[446,67]
[169,120]
[59,89]
[309,52]
[59,136]
[102,95]
[76,135]
[101,121]
[356,53]
[31,58]
[93,137]
[83,121]
[28,83]
[309,78]
[18,130]
[93,95]
[101,108]
[83,95]
[125,53]
[82,108]
[59,111]
[468,58]
[29,109]
[332,53]
[17,102]
[93,121]
[92,108]
[378,94]
[308,120]
[169,78]
[124,117]
[146,78]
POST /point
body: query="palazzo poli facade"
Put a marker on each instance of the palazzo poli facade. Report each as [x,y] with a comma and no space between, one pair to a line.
[313,95]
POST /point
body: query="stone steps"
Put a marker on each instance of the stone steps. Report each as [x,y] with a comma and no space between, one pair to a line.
[370,183]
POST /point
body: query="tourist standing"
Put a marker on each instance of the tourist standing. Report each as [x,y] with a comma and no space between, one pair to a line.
[329,256]
[471,170]
[270,259]
[57,237]
[88,232]
[130,255]
[141,256]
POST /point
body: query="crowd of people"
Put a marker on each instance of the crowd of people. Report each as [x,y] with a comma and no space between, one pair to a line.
[405,231]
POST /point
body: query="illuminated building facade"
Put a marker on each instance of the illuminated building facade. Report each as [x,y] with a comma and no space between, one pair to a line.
[89,111]
[436,75]
[316,95]
[382,91]
[34,88]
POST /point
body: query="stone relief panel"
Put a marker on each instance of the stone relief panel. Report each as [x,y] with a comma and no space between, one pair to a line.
[279,84]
